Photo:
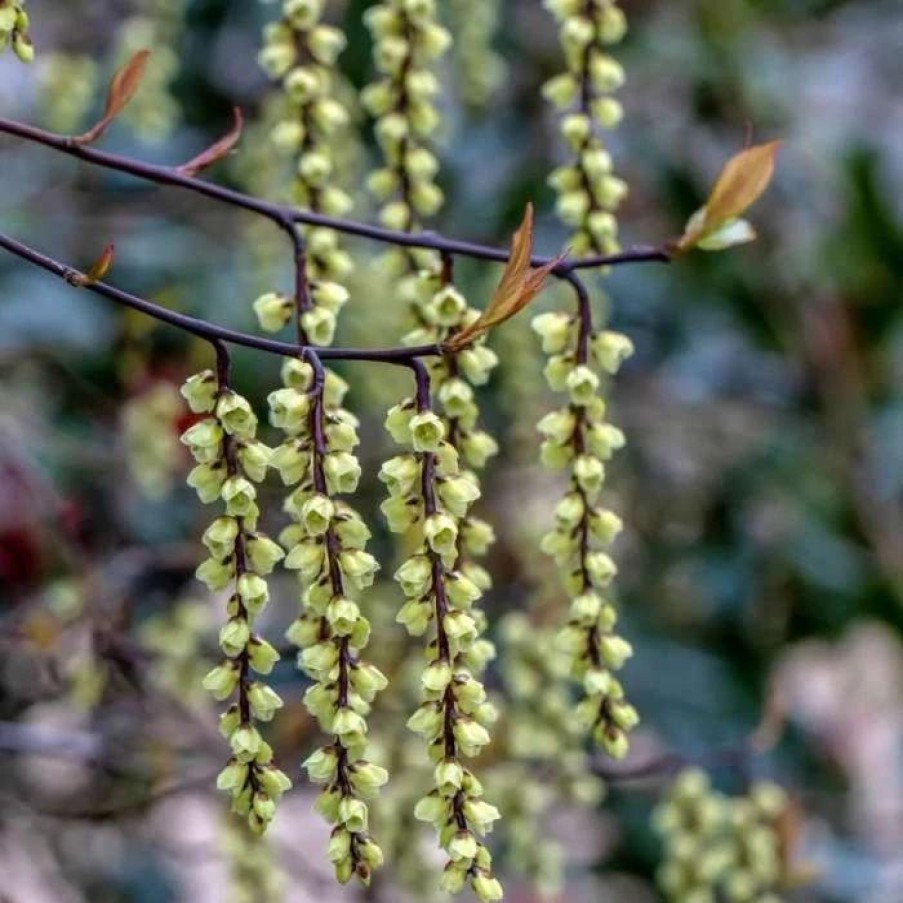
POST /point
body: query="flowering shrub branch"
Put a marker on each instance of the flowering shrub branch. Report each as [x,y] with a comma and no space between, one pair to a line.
[284,215]
[432,482]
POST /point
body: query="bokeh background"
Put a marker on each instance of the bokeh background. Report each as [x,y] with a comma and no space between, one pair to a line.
[762,564]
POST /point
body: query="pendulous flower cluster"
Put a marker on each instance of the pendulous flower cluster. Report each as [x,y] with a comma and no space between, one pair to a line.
[430,496]
[544,761]
[480,70]
[588,192]
[150,437]
[301,52]
[577,438]
[718,847]
[407,42]
[230,460]
[14,29]
[326,546]
[440,311]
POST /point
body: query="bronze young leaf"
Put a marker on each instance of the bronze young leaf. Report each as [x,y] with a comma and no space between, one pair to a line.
[741,182]
[517,288]
[217,150]
[122,89]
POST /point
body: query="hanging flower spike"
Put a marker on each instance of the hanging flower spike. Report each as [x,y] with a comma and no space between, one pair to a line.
[326,540]
[325,546]
[14,29]
[428,492]
[480,70]
[444,313]
[229,461]
[577,437]
[301,52]
[717,845]
[407,42]
[588,192]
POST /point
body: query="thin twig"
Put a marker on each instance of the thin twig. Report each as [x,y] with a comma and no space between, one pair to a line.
[399,356]
[285,216]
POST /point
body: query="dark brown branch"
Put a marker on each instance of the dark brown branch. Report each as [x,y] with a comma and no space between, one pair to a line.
[398,356]
[285,216]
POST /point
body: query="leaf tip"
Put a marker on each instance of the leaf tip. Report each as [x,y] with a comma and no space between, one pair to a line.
[97,270]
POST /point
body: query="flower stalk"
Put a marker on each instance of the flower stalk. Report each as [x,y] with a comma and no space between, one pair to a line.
[430,496]
[325,544]
[229,461]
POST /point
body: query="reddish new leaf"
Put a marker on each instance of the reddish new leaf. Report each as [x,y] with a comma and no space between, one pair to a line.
[216,151]
[518,286]
[122,89]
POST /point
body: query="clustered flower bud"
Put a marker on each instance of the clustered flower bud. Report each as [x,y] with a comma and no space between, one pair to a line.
[430,496]
[588,192]
[578,438]
[230,460]
[14,29]
[441,310]
[718,847]
[326,546]
[151,438]
[543,761]
[407,42]
[300,51]
[175,640]
[480,69]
